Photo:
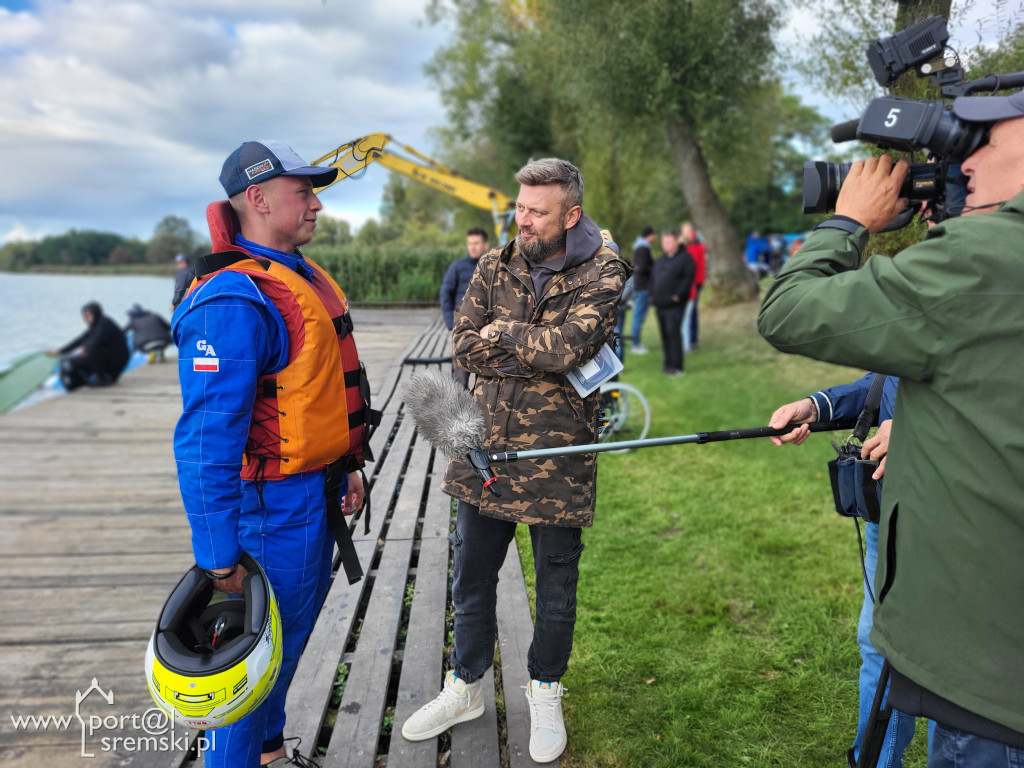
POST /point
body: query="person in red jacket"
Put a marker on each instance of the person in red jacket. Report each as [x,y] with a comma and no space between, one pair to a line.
[696,249]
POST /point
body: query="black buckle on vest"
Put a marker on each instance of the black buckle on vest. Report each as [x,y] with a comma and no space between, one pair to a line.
[342,325]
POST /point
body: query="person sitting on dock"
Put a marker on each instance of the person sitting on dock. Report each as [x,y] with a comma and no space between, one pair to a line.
[267,361]
[150,332]
[98,356]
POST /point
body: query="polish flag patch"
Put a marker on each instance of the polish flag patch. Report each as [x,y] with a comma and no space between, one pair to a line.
[207,364]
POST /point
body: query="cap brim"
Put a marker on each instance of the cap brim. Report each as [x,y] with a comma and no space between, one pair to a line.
[986,109]
[320,177]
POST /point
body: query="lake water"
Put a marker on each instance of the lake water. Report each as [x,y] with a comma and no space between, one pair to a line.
[44,311]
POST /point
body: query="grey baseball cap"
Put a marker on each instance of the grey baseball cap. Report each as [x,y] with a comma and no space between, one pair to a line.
[989,109]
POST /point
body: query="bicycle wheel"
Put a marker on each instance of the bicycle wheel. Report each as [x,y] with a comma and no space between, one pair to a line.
[625,414]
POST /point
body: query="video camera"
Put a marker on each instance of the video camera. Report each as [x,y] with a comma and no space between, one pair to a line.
[909,125]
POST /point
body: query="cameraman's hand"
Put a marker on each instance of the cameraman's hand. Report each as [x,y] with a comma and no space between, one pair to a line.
[800,412]
[877,446]
[870,193]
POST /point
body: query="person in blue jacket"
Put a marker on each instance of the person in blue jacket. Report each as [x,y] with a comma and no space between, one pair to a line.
[456,280]
[846,402]
[232,335]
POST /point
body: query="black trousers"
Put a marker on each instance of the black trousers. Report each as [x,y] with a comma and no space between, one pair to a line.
[670,322]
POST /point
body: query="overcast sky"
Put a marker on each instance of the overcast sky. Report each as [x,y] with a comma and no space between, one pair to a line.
[116,113]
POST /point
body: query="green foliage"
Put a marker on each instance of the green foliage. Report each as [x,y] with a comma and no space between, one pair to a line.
[331,232]
[1008,56]
[599,82]
[171,236]
[338,687]
[387,272]
[409,208]
[719,592]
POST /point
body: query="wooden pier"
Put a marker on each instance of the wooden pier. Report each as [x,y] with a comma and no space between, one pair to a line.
[93,537]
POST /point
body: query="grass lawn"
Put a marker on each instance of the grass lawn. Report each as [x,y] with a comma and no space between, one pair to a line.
[719,591]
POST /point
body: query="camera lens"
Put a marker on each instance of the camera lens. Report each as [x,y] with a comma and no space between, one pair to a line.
[821,185]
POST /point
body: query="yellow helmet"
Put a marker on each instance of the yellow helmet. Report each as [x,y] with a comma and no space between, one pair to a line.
[209,664]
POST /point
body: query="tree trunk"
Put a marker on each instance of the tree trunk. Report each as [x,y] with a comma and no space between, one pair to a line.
[728,274]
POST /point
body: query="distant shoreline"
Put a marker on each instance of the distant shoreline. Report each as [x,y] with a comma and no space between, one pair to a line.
[132,270]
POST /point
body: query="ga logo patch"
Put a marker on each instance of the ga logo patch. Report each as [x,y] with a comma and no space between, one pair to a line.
[210,363]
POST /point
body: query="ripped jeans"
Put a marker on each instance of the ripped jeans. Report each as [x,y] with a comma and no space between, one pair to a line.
[480,544]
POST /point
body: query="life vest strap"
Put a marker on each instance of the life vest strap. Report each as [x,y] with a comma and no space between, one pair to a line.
[215,262]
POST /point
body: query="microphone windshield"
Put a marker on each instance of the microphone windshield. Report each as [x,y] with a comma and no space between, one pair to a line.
[445,413]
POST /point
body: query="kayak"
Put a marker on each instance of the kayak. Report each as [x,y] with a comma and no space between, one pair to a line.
[24,376]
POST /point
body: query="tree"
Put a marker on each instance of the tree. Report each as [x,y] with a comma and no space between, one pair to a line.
[685,68]
[651,100]
[171,236]
[331,232]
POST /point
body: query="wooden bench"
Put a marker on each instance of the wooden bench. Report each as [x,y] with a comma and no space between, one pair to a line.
[389,631]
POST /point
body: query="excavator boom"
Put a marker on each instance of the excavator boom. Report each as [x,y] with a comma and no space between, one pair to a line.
[353,158]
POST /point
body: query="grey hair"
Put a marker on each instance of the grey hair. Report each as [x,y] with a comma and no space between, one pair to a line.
[552,170]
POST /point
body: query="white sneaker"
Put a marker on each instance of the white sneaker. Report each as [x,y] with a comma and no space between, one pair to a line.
[458,702]
[639,349]
[547,729]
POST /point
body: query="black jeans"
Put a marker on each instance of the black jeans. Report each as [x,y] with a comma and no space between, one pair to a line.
[670,320]
[480,544]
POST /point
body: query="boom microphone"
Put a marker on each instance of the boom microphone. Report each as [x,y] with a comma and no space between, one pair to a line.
[448,417]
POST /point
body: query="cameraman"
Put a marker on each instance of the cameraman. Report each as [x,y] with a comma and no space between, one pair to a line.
[947,316]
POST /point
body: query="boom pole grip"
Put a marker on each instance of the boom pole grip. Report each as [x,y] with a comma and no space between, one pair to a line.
[743,434]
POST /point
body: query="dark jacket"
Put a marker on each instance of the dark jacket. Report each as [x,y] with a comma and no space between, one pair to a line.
[672,275]
[521,385]
[453,287]
[104,345]
[149,330]
[947,316]
[642,261]
[182,280]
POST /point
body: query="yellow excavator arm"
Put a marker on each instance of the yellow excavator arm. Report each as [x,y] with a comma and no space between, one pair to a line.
[353,158]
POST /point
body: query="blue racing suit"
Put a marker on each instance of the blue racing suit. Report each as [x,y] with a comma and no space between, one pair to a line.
[228,334]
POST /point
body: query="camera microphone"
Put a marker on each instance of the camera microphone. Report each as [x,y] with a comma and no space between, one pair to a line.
[844,131]
[448,417]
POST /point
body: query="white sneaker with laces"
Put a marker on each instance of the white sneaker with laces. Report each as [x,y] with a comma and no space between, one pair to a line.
[458,702]
[547,729]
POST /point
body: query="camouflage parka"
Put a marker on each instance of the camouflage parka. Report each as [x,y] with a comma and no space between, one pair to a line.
[521,386]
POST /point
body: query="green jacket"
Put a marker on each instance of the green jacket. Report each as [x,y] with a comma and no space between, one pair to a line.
[947,317]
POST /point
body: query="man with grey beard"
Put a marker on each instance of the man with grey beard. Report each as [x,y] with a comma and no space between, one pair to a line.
[535,310]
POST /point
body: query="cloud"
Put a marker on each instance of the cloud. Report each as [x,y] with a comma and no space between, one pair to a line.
[119,112]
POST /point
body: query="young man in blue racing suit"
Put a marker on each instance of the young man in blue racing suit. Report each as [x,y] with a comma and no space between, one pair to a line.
[236,331]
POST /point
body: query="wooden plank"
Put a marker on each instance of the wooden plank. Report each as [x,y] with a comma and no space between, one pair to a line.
[421,675]
[357,729]
[515,633]
[94,569]
[475,744]
[311,687]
